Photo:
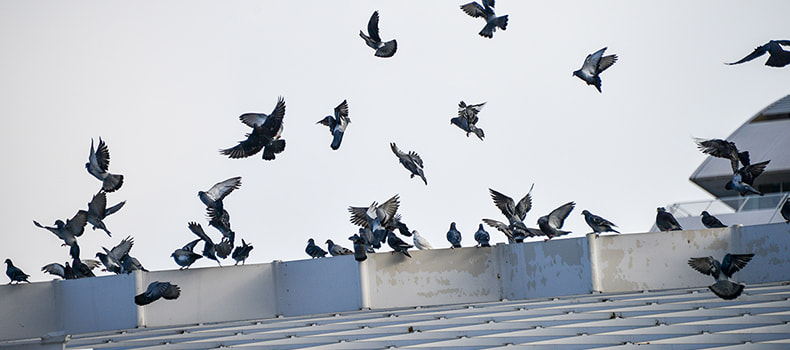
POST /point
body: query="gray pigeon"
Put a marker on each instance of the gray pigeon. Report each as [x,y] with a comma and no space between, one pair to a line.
[486,11]
[313,250]
[778,56]
[64,272]
[515,230]
[373,40]
[265,135]
[482,237]
[665,221]
[786,210]
[743,179]
[594,64]
[454,236]
[337,124]
[411,161]
[157,290]
[336,249]
[420,242]
[711,221]
[723,288]
[209,249]
[360,248]
[14,273]
[98,211]
[374,219]
[723,149]
[242,252]
[551,224]
[598,224]
[97,165]
[467,119]
[397,244]
[185,256]
[69,231]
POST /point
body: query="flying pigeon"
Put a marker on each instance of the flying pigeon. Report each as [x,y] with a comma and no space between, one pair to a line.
[665,221]
[454,236]
[724,149]
[486,11]
[515,230]
[594,64]
[336,249]
[778,56]
[14,273]
[411,161]
[743,179]
[265,135]
[360,250]
[98,211]
[69,231]
[373,40]
[723,288]
[711,221]
[157,290]
[482,237]
[551,224]
[209,250]
[467,119]
[374,219]
[598,224]
[397,244]
[64,272]
[97,165]
[185,256]
[786,210]
[313,250]
[242,252]
[420,242]
[337,124]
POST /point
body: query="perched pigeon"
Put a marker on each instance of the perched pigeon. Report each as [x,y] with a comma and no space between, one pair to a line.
[724,149]
[111,259]
[313,250]
[337,124]
[97,165]
[482,237]
[397,244]
[515,230]
[336,249]
[454,236]
[185,256]
[242,252]
[723,288]
[69,231]
[374,219]
[598,224]
[665,221]
[209,250]
[265,135]
[711,221]
[778,56]
[64,272]
[594,64]
[486,11]
[158,290]
[14,273]
[420,242]
[360,249]
[743,179]
[551,224]
[786,210]
[98,211]
[411,161]
[373,40]
[467,119]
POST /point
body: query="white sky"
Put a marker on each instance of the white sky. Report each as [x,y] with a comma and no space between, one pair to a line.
[163,83]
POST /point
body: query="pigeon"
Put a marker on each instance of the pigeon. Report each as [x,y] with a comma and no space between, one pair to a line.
[665,221]
[157,290]
[14,273]
[130,263]
[64,272]
[467,119]
[743,179]
[313,250]
[209,250]
[598,224]
[265,135]
[786,210]
[185,256]
[242,252]
[454,236]
[98,211]
[515,230]
[711,221]
[397,244]
[97,165]
[360,248]
[778,56]
[723,288]
[336,249]
[374,219]
[420,242]
[551,224]
[723,149]
[373,40]
[411,161]
[69,231]
[337,124]
[482,237]
[594,64]
[486,11]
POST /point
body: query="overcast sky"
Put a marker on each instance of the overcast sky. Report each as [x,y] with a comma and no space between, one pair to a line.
[163,83]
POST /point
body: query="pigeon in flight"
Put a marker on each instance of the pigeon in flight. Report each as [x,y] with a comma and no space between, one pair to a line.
[594,64]
[185,256]
[397,244]
[515,230]
[723,149]
[313,250]
[97,165]
[454,236]
[598,224]
[373,40]
[98,211]
[265,135]
[723,288]
[411,161]
[786,210]
[711,221]
[64,272]
[242,252]
[665,221]
[360,248]
[467,119]
[551,224]
[420,242]
[743,179]
[336,249]
[14,273]
[157,290]
[69,231]
[486,11]
[374,219]
[209,249]
[778,56]
[482,237]
[337,124]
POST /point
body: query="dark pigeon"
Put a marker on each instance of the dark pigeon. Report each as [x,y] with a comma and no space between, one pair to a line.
[786,210]
[515,230]
[467,119]
[313,250]
[454,236]
[209,250]
[551,224]
[598,224]
[337,124]
[337,250]
[70,230]
[593,66]
[64,272]
[158,290]
[411,161]
[373,40]
[14,273]
[242,252]
[185,256]
[724,149]
[665,221]
[778,56]
[743,179]
[98,211]
[265,135]
[397,244]
[482,237]
[360,248]
[723,288]
[486,11]
[97,165]
[711,221]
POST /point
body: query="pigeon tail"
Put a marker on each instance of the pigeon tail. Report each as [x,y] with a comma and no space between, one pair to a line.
[726,290]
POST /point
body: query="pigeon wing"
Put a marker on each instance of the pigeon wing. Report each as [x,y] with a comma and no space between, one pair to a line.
[733,263]
[557,216]
[703,265]
[759,51]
